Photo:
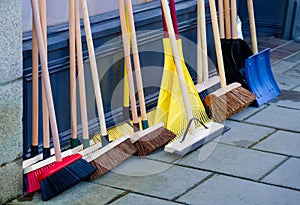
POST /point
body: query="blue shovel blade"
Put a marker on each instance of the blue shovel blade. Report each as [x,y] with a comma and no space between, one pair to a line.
[260,78]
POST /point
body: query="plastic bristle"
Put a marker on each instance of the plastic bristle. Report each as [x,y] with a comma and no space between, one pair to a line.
[154,140]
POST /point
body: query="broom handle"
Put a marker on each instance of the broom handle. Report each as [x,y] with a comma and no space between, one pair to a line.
[35,87]
[176,57]
[203,40]
[252,26]
[46,79]
[233,19]
[128,60]
[227,19]
[213,14]
[81,80]
[199,44]
[46,134]
[136,60]
[221,18]
[92,57]
[72,69]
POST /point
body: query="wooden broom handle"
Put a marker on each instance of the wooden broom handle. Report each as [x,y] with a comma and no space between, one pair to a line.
[46,79]
[213,14]
[199,44]
[128,60]
[46,134]
[227,19]
[72,69]
[203,40]
[252,26]
[81,80]
[177,60]
[35,87]
[221,18]
[136,61]
[96,82]
[233,19]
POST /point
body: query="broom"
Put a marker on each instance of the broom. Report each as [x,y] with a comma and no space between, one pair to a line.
[68,171]
[119,150]
[151,138]
[230,99]
[194,135]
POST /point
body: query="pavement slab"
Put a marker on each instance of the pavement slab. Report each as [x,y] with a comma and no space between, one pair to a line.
[220,190]
[136,199]
[281,142]
[161,155]
[286,83]
[277,117]
[83,193]
[152,178]
[287,174]
[244,135]
[288,98]
[294,71]
[235,161]
[244,114]
[283,66]
[294,58]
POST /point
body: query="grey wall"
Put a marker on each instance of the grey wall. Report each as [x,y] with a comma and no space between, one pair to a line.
[10,99]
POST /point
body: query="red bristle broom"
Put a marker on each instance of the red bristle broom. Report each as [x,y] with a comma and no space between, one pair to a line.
[68,171]
[113,153]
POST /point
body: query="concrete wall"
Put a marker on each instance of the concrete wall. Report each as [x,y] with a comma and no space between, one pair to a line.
[11,107]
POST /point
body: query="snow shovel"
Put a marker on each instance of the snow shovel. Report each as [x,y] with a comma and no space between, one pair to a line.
[258,69]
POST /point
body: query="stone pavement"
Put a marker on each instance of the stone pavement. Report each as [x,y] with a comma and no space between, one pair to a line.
[256,162]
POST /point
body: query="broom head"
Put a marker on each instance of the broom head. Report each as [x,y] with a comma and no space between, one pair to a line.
[111,155]
[228,101]
[194,140]
[152,138]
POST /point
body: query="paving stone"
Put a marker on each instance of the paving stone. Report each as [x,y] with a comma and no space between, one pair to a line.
[152,178]
[281,142]
[243,135]
[278,117]
[296,89]
[240,116]
[135,199]
[294,58]
[286,82]
[83,193]
[227,190]
[161,155]
[294,71]
[283,66]
[234,161]
[288,98]
[287,174]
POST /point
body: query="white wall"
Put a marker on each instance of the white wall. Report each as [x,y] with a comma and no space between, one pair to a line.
[57,10]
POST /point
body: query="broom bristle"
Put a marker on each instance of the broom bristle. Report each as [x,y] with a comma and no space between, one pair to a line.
[153,140]
[112,158]
[230,103]
[60,177]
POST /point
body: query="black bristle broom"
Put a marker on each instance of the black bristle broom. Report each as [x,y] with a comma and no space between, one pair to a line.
[228,100]
[68,171]
[150,138]
[113,153]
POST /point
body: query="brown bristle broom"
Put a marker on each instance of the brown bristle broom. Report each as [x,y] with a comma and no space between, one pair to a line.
[228,100]
[119,150]
[150,138]
[68,171]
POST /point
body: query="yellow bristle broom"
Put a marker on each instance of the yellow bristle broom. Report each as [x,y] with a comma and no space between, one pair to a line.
[187,117]
[228,100]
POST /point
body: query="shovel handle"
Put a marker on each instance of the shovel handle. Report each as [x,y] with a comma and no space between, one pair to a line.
[46,79]
[72,69]
[96,82]
[221,18]
[126,48]
[233,19]
[252,26]
[219,54]
[227,19]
